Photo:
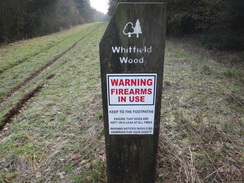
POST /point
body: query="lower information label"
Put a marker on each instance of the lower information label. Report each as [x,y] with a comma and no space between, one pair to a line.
[131,103]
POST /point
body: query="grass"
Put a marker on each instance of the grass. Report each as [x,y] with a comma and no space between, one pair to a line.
[58,134]
[202,118]
[41,79]
[14,53]
[60,123]
[37,58]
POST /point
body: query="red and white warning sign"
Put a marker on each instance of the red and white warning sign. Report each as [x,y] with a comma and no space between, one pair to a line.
[131,103]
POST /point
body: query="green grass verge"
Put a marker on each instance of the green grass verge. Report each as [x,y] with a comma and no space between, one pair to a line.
[22,71]
[59,136]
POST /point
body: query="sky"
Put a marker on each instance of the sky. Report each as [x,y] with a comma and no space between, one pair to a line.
[100,5]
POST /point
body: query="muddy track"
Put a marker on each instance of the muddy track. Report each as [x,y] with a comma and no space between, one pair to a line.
[43,68]
[20,104]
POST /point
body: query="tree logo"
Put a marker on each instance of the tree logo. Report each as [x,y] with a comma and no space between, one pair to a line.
[129,29]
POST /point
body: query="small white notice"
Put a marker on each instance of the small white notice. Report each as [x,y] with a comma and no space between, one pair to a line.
[131,103]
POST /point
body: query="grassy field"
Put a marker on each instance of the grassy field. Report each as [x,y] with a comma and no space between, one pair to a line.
[51,112]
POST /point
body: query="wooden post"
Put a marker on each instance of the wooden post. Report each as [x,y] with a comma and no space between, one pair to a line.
[132,60]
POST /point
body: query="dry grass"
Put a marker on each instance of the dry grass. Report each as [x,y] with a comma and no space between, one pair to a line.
[202,118]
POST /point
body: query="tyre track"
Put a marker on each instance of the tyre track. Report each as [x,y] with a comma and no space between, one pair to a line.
[16,109]
[18,62]
[24,60]
[43,68]
[19,105]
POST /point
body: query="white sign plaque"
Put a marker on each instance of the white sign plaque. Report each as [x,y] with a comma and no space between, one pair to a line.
[131,103]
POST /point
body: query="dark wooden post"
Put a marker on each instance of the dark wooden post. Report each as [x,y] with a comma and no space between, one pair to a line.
[132,60]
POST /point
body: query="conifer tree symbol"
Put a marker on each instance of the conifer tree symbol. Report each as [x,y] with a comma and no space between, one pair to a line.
[129,29]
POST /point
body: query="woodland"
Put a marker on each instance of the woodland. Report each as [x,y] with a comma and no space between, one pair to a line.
[218,24]
[21,19]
